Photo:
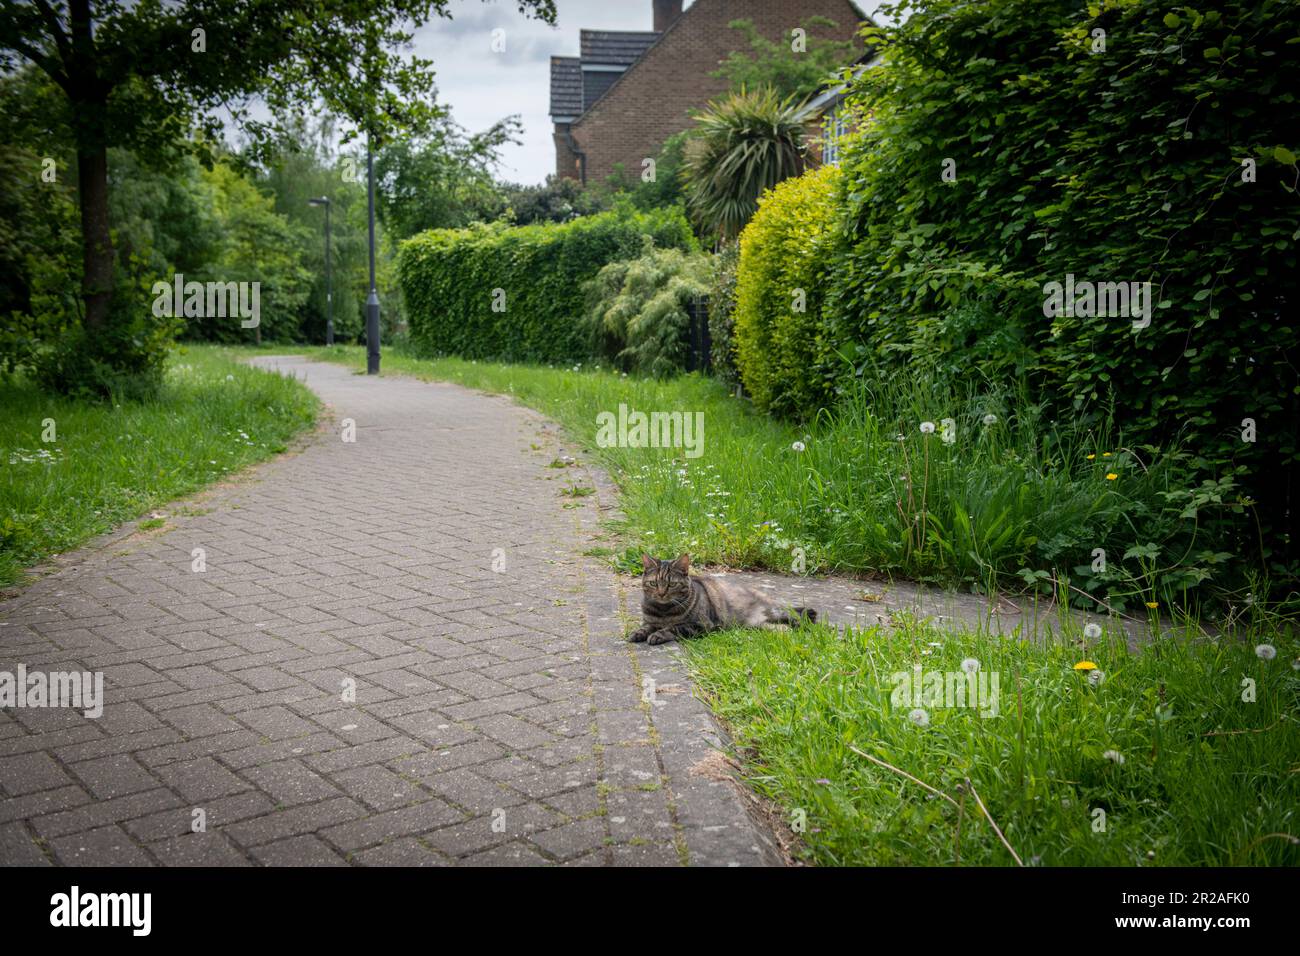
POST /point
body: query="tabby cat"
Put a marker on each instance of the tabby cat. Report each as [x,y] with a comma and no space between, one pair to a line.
[677,604]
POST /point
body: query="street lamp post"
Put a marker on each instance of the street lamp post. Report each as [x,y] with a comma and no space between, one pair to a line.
[372,300]
[329,286]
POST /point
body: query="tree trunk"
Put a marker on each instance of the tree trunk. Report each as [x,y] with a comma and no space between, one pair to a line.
[96,242]
[88,93]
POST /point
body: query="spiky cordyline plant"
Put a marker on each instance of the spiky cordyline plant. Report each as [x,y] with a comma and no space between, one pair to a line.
[741,146]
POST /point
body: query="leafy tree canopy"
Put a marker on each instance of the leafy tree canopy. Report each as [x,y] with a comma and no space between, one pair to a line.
[789,71]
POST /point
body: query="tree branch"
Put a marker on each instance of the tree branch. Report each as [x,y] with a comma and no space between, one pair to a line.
[56,30]
[47,63]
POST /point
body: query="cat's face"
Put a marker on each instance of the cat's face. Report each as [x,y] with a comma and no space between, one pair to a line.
[666,581]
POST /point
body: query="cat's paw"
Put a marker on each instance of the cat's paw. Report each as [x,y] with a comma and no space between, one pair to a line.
[639,635]
[661,637]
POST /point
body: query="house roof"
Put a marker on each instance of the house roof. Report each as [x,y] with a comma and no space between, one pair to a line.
[609,43]
[614,47]
[566,86]
[833,93]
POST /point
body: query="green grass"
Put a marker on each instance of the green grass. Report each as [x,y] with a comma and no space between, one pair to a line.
[1186,793]
[108,464]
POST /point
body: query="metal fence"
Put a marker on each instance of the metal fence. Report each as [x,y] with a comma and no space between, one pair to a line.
[698,340]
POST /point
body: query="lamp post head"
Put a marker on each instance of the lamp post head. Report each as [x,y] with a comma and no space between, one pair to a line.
[322,201]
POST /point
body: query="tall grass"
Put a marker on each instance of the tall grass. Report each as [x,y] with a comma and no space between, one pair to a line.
[111,463]
[1012,500]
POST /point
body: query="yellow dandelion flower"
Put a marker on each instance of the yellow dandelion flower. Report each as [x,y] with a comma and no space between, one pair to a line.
[1153,604]
[1111,476]
[1091,457]
[1105,454]
[1085,666]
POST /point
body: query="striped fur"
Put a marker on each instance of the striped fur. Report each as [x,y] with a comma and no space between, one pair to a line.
[677,604]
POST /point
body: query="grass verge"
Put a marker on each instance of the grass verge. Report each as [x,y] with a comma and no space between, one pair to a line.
[1185,754]
[73,470]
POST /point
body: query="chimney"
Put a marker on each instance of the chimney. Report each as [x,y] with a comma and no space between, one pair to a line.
[666,11]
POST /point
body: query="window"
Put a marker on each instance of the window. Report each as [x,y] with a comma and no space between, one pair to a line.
[835,126]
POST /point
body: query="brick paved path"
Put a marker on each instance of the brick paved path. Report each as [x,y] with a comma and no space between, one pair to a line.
[499,718]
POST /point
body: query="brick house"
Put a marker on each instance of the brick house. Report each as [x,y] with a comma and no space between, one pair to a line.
[626,92]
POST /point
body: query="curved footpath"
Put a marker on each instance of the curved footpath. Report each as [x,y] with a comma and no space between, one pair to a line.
[396,654]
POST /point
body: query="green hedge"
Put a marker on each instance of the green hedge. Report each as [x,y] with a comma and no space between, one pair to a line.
[1114,164]
[516,293]
[786,253]
[722,316]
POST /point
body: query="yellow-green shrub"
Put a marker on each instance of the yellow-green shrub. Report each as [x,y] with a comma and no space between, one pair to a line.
[785,253]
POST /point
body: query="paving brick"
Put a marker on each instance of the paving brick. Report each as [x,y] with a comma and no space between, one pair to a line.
[201,779]
[572,839]
[115,776]
[45,802]
[304,850]
[103,812]
[404,851]
[198,849]
[408,821]
[296,821]
[218,813]
[511,854]
[19,848]
[493,829]
[103,846]
[379,788]
[29,773]
[290,782]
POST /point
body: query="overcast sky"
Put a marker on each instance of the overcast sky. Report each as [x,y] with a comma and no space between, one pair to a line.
[481,86]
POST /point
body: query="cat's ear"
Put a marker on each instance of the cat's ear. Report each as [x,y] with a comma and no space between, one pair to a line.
[682,564]
[648,563]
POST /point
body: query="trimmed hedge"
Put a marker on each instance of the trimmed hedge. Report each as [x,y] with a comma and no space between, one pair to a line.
[516,293]
[722,316]
[786,253]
